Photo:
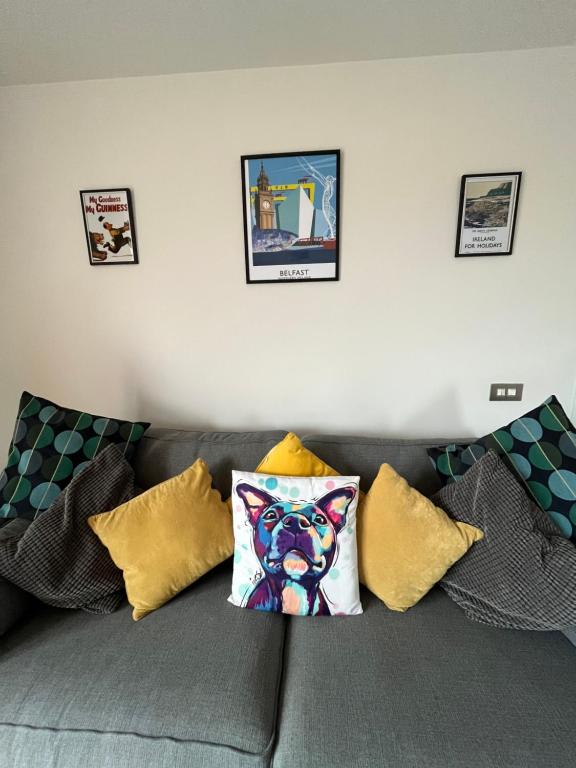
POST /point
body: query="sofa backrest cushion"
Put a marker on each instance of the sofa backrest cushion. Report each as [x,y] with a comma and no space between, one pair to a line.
[364,456]
[164,453]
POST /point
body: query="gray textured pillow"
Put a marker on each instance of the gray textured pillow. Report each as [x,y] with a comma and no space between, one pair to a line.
[58,558]
[522,575]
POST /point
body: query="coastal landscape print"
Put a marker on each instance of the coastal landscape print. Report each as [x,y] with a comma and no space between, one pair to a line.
[291,216]
[487,203]
[487,214]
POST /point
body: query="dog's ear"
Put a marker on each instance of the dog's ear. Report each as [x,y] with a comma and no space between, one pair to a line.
[255,500]
[335,505]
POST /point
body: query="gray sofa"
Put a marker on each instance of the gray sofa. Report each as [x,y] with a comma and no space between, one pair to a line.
[201,683]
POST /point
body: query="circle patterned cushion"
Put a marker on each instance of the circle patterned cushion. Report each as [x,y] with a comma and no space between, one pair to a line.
[50,446]
[540,447]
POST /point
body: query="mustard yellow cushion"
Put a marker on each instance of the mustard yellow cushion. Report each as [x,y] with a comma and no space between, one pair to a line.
[290,457]
[405,543]
[167,538]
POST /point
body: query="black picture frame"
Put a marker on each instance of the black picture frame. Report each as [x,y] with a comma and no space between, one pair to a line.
[480,231]
[313,246]
[109,206]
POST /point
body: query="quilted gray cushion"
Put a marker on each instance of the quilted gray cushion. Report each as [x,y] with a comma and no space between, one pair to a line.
[58,558]
[522,575]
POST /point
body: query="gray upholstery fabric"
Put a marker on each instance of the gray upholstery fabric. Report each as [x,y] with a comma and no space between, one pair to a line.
[58,558]
[163,453]
[14,604]
[570,634]
[195,684]
[30,748]
[522,574]
[196,673]
[424,689]
[364,455]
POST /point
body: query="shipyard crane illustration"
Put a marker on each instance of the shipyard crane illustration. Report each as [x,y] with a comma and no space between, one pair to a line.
[328,183]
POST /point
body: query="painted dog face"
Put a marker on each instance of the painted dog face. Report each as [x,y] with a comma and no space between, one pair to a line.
[296,540]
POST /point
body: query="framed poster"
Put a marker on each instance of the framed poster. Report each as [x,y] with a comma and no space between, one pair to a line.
[291,216]
[109,226]
[487,214]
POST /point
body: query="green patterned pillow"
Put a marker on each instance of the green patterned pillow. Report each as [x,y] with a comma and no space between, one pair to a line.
[541,449]
[50,445]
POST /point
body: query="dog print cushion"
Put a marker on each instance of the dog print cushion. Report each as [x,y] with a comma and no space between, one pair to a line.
[295,544]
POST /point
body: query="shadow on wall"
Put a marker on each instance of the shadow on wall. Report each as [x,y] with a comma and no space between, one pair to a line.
[444,408]
[423,422]
[165,414]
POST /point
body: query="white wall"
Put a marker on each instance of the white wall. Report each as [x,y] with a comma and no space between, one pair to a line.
[409,339]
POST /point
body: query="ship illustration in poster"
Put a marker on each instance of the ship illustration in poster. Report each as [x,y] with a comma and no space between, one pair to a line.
[291,216]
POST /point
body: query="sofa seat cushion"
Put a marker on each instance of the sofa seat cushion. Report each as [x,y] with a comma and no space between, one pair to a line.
[198,670]
[424,688]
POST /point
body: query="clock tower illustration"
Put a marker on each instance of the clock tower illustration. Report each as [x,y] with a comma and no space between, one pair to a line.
[264,202]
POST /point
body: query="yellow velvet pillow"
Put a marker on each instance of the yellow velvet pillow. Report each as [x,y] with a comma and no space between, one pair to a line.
[406,543]
[167,538]
[290,457]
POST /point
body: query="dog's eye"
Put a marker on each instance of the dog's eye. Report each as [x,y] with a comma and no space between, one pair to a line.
[320,519]
[270,516]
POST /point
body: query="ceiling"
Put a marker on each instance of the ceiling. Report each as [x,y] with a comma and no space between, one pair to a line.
[57,40]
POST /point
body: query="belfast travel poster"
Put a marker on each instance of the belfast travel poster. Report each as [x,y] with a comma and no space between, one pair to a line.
[291,216]
[487,214]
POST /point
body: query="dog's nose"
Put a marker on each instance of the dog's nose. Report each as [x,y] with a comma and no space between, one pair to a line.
[295,522]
